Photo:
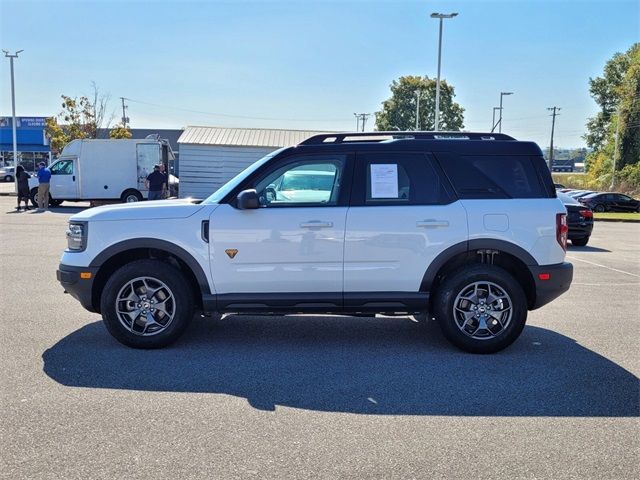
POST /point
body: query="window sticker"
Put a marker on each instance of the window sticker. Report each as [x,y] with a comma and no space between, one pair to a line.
[384,180]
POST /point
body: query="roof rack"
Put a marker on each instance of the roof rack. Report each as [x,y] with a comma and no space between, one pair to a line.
[350,137]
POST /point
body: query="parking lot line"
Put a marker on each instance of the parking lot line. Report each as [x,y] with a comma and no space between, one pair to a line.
[603,266]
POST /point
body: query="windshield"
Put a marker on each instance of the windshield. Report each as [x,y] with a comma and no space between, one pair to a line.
[224,190]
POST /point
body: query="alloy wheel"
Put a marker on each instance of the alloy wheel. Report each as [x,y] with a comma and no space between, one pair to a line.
[145,306]
[483,310]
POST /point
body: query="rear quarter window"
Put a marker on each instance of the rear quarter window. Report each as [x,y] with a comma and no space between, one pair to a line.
[494,176]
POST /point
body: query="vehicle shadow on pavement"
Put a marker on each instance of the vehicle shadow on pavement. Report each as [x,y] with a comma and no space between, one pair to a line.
[588,248]
[384,366]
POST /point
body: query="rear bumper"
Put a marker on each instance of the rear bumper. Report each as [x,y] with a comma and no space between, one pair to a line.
[559,280]
[580,229]
[79,288]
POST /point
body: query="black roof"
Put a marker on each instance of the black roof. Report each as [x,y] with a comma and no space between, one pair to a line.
[465,143]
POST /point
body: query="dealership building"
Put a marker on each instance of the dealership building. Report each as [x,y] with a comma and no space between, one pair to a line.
[32,143]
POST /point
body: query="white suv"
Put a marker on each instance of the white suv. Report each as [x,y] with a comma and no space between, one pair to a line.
[466,227]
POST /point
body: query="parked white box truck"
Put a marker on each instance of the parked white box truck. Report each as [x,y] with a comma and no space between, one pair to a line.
[92,169]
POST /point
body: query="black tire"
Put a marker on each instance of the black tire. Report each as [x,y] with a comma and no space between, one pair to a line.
[33,194]
[580,242]
[599,208]
[456,283]
[154,269]
[8,178]
[130,196]
[54,203]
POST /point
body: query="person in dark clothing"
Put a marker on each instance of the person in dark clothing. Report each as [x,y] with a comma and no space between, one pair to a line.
[23,187]
[156,183]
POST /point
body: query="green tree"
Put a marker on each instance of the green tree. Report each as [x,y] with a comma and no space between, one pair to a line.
[399,111]
[79,118]
[120,131]
[617,93]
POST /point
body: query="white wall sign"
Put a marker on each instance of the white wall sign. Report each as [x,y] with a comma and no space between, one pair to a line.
[384,180]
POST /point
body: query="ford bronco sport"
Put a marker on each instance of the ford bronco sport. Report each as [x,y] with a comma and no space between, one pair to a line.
[463,226]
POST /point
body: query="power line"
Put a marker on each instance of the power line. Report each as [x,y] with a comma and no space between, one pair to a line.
[226,115]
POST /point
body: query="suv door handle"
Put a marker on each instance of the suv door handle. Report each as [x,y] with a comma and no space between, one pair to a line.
[432,223]
[316,224]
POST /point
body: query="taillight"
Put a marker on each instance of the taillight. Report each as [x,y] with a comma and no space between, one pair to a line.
[586,213]
[562,230]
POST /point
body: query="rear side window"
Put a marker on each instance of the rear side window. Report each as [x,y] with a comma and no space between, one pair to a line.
[493,176]
[397,179]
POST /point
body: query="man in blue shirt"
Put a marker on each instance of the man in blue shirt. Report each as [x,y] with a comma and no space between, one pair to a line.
[44,177]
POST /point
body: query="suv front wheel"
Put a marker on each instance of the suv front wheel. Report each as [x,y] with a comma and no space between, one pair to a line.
[480,309]
[147,304]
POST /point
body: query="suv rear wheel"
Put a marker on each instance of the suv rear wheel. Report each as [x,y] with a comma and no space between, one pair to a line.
[480,309]
[147,304]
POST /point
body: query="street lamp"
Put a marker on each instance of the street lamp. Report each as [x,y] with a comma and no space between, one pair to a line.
[11,56]
[441,17]
[502,94]
[493,122]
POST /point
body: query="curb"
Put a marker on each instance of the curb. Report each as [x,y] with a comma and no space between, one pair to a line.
[620,220]
[7,194]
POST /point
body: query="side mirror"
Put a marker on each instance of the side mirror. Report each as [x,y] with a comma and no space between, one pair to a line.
[247,200]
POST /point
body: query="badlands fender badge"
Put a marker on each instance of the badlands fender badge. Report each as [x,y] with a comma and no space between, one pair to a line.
[231,252]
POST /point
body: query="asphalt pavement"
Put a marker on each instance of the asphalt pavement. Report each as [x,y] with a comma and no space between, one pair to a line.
[313,396]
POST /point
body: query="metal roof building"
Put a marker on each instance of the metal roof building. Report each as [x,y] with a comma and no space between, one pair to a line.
[211,156]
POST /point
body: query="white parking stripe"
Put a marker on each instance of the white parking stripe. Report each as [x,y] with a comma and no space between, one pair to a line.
[603,266]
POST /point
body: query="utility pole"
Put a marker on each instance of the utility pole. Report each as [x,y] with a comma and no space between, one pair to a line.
[417,110]
[553,125]
[441,17]
[363,117]
[11,56]
[615,149]
[125,119]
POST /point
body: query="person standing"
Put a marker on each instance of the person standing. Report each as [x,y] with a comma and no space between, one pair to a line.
[166,192]
[23,187]
[44,177]
[156,182]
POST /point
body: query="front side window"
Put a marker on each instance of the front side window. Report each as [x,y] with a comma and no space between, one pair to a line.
[63,167]
[304,181]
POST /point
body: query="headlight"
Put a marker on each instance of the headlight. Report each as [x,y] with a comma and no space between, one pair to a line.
[76,236]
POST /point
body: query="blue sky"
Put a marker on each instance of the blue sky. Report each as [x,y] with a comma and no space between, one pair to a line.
[311,65]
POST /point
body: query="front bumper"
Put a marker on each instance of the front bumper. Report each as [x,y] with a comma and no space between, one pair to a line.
[80,288]
[558,281]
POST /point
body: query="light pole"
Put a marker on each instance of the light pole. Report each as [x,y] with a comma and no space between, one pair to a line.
[493,122]
[11,56]
[441,17]
[502,94]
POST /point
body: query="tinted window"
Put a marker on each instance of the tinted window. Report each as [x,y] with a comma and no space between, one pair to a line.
[397,179]
[493,176]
